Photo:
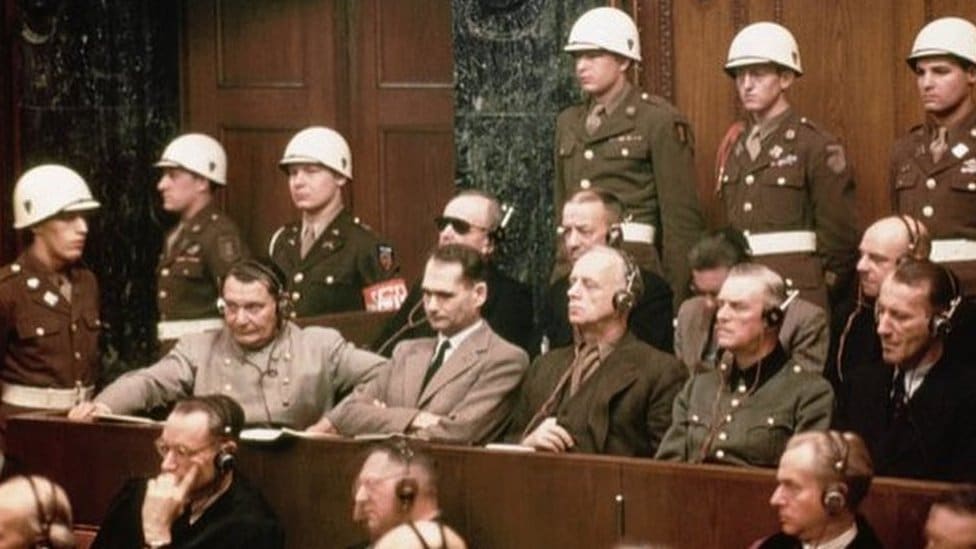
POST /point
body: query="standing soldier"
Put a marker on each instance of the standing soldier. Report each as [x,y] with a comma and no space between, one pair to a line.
[633,144]
[329,257]
[933,168]
[48,302]
[785,182]
[198,252]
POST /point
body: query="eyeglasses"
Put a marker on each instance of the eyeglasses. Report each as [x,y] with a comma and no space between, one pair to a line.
[182,452]
[459,226]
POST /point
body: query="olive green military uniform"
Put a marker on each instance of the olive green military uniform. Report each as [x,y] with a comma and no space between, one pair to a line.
[941,194]
[46,340]
[746,422]
[800,181]
[643,151]
[191,270]
[344,259]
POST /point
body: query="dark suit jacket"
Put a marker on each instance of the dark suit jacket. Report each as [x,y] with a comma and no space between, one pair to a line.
[935,438]
[865,539]
[651,319]
[624,408]
[507,309]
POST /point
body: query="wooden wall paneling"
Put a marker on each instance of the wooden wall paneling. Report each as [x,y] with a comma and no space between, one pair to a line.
[401,109]
[255,73]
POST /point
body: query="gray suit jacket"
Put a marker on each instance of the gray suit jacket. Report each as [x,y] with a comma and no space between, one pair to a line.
[804,334]
[473,391]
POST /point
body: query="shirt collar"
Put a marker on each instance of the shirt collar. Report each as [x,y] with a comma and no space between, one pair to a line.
[840,542]
[913,378]
[459,337]
[615,101]
[767,127]
[766,368]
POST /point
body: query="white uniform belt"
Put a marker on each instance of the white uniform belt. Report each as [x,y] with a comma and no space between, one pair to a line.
[632,231]
[953,249]
[175,329]
[45,398]
[783,242]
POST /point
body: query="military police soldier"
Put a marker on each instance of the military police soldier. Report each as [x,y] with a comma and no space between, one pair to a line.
[328,257]
[933,168]
[633,144]
[49,308]
[197,252]
[785,182]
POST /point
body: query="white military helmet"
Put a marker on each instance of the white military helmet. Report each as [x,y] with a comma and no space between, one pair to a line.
[319,145]
[46,191]
[947,36]
[764,42]
[197,153]
[607,29]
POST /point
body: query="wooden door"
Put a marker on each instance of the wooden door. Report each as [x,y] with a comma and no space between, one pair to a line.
[379,72]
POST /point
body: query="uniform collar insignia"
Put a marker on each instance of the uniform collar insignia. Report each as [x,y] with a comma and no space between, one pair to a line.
[960,150]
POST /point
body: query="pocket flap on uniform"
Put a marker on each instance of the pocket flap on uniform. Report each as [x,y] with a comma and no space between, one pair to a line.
[625,149]
[37,326]
[784,176]
[964,184]
[188,269]
[566,146]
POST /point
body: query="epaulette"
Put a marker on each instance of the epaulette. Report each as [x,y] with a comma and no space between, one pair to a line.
[10,271]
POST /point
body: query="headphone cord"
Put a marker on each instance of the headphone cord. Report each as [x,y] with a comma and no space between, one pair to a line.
[412,322]
[268,371]
[842,342]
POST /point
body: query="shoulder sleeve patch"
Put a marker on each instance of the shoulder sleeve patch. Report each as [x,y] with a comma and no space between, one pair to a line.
[683,133]
[228,248]
[836,159]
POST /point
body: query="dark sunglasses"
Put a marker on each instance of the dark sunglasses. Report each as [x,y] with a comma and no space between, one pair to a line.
[459,226]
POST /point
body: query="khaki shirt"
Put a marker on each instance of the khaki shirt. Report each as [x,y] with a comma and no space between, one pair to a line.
[344,259]
[189,274]
[292,381]
[643,152]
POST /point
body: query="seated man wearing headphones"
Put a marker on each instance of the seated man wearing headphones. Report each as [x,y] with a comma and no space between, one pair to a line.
[279,373]
[197,500]
[610,393]
[592,217]
[823,476]
[854,339]
[952,519]
[804,330]
[916,415]
[395,486]
[744,411]
[34,514]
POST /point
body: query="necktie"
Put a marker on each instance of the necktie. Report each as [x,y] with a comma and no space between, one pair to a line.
[308,238]
[594,118]
[436,363]
[173,238]
[939,145]
[898,397]
[587,359]
[753,142]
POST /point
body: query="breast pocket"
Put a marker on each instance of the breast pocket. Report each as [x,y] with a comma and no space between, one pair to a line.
[767,438]
[187,268]
[38,328]
[784,194]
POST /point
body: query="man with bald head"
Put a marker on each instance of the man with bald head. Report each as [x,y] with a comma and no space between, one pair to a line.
[473,218]
[854,339]
[34,512]
[610,393]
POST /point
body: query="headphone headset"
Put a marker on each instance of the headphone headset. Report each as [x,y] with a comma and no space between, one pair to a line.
[625,298]
[44,518]
[835,494]
[407,486]
[497,234]
[773,316]
[940,325]
[223,460]
[272,277]
[913,236]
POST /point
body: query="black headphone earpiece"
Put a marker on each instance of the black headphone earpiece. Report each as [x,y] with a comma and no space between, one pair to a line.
[44,518]
[913,237]
[773,316]
[835,494]
[224,462]
[407,486]
[625,298]
[940,325]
